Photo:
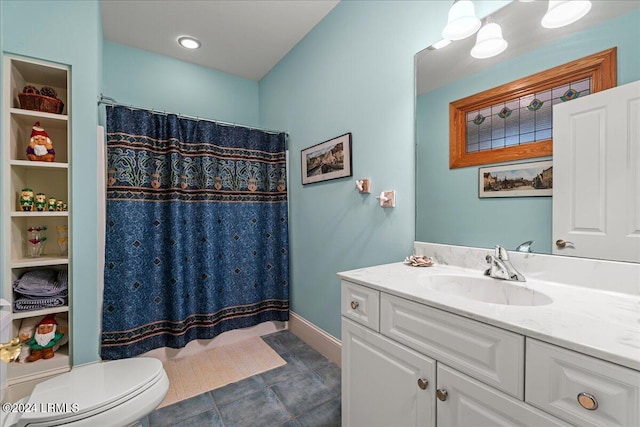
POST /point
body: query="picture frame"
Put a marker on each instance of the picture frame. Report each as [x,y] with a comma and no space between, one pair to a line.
[528,179]
[328,160]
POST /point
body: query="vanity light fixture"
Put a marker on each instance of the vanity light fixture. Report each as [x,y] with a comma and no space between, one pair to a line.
[489,42]
[561,13]
[189,42]
[462,21]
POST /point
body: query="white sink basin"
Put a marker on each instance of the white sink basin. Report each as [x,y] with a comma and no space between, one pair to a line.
[487,289]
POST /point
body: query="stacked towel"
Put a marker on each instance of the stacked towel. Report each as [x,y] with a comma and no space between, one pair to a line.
[39,289]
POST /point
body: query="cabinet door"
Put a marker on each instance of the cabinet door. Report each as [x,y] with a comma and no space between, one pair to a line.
[384,383]
[471,403]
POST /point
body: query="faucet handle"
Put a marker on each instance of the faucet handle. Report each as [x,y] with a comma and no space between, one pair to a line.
[490,260]
[501,253]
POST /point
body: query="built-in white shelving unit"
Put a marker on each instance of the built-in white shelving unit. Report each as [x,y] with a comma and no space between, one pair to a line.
[51,178]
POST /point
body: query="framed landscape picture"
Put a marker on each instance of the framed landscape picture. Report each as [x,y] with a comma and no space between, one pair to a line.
[328,160]
[516,180]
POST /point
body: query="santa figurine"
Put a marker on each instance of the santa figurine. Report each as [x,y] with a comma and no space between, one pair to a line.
[45,337]
[40,146]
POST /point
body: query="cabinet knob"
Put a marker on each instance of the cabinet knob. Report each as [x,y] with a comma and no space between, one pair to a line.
[442,394]
[423,383]
[354,304]
[587,401]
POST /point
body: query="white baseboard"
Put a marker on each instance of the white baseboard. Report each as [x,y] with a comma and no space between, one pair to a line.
[329,346]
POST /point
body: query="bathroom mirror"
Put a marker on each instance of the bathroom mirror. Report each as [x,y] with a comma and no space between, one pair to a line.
[448,207]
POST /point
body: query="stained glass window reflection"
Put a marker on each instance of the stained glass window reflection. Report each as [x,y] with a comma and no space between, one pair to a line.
[520,121]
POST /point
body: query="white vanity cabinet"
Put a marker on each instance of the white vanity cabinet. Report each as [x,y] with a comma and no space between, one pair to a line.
[422,366]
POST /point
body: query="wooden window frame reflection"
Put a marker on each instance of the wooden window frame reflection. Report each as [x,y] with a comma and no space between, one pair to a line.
[600,67]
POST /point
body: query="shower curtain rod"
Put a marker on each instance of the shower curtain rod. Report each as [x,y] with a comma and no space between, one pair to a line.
[107,100]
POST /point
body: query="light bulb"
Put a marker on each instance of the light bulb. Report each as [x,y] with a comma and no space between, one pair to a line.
[489,42]
[561,13]
[462,21]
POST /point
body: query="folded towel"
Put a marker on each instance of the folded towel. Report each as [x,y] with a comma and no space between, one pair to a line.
[30,304]
[42,282]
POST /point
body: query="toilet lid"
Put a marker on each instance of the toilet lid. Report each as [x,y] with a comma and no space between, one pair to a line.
[91,388]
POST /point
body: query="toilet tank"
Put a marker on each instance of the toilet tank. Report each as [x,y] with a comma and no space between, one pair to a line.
[5,331]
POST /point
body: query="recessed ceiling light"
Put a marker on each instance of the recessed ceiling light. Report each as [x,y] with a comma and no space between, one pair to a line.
[189,42]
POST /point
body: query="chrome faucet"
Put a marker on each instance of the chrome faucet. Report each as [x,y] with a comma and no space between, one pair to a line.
[500,267]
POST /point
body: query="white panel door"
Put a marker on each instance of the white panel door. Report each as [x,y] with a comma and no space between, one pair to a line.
[596,175]
[384,383]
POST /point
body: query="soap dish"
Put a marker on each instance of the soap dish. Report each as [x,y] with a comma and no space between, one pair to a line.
[419,261]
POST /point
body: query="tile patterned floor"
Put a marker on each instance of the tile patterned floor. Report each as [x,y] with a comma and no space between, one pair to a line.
[304,392]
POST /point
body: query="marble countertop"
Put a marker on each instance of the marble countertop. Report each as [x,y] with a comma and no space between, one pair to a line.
[599,323]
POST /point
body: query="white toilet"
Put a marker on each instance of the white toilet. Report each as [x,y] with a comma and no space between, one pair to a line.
[108,394]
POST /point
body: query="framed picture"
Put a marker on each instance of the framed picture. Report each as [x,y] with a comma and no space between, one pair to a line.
[517,180]
[328,160]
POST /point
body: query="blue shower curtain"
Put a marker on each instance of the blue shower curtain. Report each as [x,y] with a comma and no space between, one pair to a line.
[196,231]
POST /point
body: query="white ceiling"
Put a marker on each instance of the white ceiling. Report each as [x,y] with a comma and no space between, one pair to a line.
[246,38]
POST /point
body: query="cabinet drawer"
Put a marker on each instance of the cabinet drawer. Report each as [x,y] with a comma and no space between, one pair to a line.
[361,304]
[489,354]
[556,377]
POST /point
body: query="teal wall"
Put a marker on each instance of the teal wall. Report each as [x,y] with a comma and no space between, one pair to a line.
[354,72]
[138,77]
[448,207]
[69,33]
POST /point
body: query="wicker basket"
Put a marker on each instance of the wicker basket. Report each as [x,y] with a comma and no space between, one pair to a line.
[46,104]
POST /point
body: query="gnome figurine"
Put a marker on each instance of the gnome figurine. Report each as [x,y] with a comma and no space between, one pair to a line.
[40,146]
[45,337]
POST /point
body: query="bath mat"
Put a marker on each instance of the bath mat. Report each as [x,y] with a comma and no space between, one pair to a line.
[196,374]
